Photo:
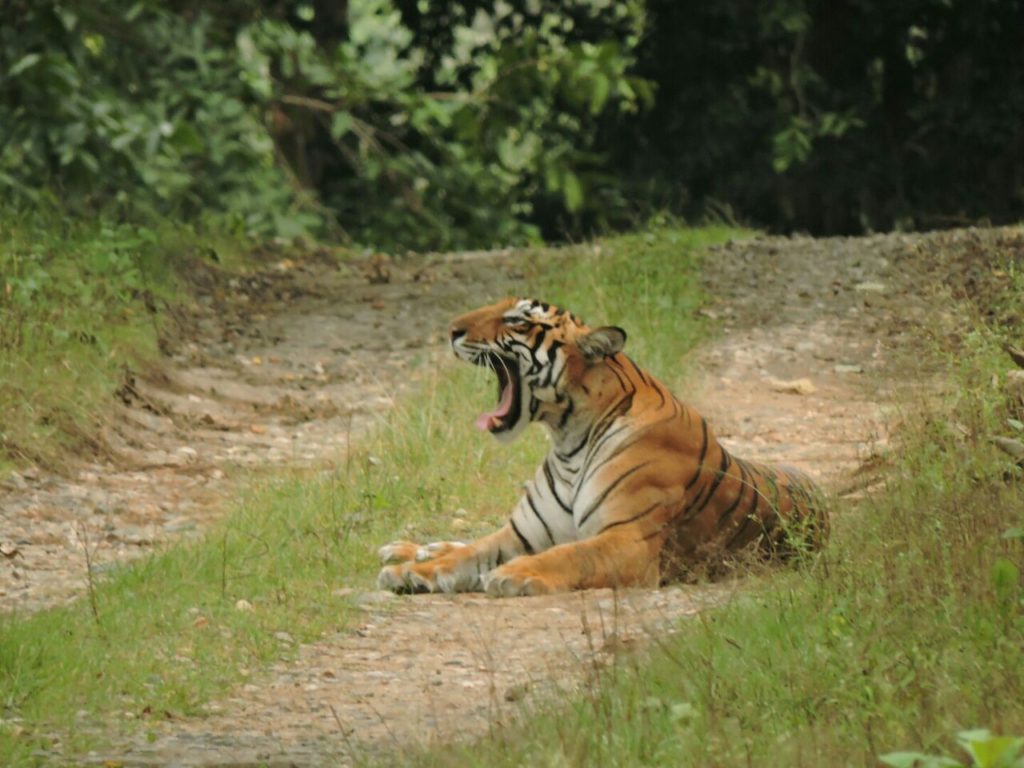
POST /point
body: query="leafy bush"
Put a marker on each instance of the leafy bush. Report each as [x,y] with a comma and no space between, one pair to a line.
[256,115]
[832,117]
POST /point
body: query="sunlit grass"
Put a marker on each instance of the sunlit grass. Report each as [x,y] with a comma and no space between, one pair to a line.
[168,635]
[907,630]
[80,301]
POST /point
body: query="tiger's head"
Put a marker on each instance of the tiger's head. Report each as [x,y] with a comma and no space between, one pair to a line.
[539,354]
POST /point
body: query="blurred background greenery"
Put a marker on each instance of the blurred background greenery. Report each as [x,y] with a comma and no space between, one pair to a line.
[463,123]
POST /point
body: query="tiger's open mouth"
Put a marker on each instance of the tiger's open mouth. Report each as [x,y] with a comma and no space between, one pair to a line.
[506,415]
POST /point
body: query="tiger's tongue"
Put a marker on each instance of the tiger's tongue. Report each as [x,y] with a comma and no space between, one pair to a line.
[488,421]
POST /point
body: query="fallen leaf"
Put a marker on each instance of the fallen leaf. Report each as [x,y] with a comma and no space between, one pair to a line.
[1013,448]
[257,429]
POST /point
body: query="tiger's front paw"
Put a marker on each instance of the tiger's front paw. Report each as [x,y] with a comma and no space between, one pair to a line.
[403,579]
[426,577]
[409,551]
[512,580]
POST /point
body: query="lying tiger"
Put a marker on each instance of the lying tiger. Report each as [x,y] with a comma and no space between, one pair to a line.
[636,489]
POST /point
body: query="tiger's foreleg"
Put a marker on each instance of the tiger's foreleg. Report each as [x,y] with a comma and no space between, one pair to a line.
[456,567]
[624,557]
[410,551]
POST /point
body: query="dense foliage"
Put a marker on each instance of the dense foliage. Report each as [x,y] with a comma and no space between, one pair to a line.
[407,123]
[289,120]
[838,116]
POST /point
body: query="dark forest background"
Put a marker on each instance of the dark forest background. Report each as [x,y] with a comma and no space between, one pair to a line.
[444,124]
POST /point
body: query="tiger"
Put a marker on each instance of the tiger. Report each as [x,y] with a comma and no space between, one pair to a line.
[636,490]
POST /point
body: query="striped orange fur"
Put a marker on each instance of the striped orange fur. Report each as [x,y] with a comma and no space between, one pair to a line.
[636,489]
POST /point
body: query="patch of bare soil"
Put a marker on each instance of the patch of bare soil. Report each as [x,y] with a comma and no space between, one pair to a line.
[815,338]
[280,368]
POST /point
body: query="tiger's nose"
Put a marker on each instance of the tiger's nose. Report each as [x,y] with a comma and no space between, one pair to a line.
[457,333]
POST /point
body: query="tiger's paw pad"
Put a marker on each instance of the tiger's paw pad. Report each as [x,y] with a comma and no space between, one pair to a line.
[408,551]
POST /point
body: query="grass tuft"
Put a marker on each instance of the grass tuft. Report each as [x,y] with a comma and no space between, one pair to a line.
[907,630]
[166,635]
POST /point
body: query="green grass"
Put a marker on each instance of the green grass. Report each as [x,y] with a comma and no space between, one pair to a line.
[167,636]
[907,630]
[79,302]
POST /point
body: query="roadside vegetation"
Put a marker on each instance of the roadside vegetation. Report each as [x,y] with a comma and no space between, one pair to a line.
[903,640]
[82,300]
[141,137]
[161,637]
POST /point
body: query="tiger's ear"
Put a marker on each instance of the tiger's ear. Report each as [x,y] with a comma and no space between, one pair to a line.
[601,343]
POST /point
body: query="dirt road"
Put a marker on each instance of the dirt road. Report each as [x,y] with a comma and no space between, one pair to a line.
[814,339]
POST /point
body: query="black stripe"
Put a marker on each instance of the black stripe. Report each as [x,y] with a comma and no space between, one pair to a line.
[750,516]
[537,343]
[617,376]
[574,451]
[739,496]
[551,485]
[519,534]
[552,351]
[644,377]
[533,506]
[639,435]
[565,416]
[661,396]
[711,488]
[632,519]
[611,487]
[703,453]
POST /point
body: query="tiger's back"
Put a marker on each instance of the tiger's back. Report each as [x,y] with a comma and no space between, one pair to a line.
[714,503]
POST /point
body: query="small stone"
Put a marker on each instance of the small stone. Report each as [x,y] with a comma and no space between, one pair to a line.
[1015,383]
[869,287]
[179,524]
[376,597]
[243,605]
[284,637]
[188,454]
[517,692]
[793,387]
[842,368]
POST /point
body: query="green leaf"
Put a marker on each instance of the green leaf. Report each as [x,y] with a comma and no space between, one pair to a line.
[988,751]
[1014,533]
[1005,580]
[1016,424]
[341,123]
[25,62]
[599,96]
[572,191]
